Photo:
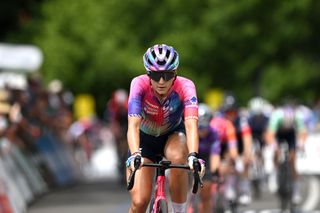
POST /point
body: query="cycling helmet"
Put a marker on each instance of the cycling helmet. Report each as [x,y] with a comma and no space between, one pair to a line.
[120,96]
[161,57]
[257,105]
[205,115]
[229,103]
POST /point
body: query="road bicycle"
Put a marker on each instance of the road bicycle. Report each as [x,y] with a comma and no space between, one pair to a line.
[285,180]
[159,202]
[220,202]
[256,170]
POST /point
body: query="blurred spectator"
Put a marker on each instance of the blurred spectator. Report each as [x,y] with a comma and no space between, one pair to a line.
[117,117]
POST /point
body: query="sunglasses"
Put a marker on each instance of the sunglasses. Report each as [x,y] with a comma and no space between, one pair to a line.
[157,75]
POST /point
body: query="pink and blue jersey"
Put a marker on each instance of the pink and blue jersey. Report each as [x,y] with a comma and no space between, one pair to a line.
[162,116]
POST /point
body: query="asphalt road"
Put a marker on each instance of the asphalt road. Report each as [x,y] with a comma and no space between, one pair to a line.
[110,197]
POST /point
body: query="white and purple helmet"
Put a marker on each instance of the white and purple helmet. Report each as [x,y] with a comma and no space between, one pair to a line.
[161,57]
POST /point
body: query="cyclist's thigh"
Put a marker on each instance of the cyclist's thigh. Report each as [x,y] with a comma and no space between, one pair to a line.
[176,148]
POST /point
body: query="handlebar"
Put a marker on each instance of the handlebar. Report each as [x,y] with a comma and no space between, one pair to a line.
[167,165]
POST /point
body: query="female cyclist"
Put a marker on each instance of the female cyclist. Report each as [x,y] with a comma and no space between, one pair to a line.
[162,120]
[209,150]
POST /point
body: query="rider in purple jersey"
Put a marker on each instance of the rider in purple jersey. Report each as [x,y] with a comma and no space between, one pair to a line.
[209,150]
[162,120]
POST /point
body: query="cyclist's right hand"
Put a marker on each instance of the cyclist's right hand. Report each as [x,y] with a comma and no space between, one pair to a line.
[215,176]
[135,161]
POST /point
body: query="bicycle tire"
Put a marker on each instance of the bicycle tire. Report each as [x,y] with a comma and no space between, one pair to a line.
[218,206]
[284,189]
[151,205]
[285,181]
[162,206]
[233,206]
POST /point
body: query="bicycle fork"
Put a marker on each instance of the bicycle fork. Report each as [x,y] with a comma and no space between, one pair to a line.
[160,192]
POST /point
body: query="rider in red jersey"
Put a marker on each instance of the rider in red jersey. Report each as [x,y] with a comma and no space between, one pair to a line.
[240,121]
[117,117]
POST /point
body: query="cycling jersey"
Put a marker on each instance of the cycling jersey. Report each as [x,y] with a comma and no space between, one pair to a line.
[161,116]
[210,144]
[243,130]
[286,118]
[258,124]
[225,129]
[117,108]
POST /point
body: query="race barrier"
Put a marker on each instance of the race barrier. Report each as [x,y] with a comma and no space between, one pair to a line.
[25,176]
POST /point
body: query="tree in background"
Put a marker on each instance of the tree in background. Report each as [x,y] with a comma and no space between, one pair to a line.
[247,46]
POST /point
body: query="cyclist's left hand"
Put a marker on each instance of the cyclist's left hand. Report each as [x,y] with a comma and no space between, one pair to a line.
[192,159]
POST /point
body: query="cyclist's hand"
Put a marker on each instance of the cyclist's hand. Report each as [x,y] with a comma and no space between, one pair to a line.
[239,165]
[193,159]
[301,151]
[135,161]
[215,176]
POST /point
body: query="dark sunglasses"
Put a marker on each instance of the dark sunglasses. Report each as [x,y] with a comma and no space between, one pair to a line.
[157,75]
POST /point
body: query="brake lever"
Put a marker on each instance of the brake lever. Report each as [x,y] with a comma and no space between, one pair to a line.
[137,162]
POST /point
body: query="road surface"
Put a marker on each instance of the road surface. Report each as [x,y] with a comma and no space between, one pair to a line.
[110,197]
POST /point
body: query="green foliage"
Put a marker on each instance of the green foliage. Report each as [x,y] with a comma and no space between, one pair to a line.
[247,46]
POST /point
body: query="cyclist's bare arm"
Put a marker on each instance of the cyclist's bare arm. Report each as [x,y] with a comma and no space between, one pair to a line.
[232,140]
[247,143]
[214,162]
[191,126]
[133,133]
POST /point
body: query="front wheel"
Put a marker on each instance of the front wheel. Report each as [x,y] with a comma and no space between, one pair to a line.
[162,206]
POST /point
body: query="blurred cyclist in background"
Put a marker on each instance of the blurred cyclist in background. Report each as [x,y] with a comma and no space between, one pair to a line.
[232,112]
[162,120]
[258,121]
[209,150]
[309,117]
[117,117]
[229,153]
[286,125]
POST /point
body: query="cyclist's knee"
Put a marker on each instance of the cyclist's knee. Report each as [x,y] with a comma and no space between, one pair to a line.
[139,204]
[176,149]
[177,156]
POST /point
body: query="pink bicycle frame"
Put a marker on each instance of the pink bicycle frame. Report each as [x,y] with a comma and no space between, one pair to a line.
[160,191]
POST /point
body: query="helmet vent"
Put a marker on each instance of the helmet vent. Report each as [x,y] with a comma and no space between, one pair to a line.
[160,50]
[161,62]
[174,57]
[153,54]
[167,54]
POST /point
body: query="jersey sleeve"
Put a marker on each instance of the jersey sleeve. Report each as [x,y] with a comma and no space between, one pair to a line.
[190,100]
[216,143]
[274,121]
[245,127]
[231,134]
[135,98]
